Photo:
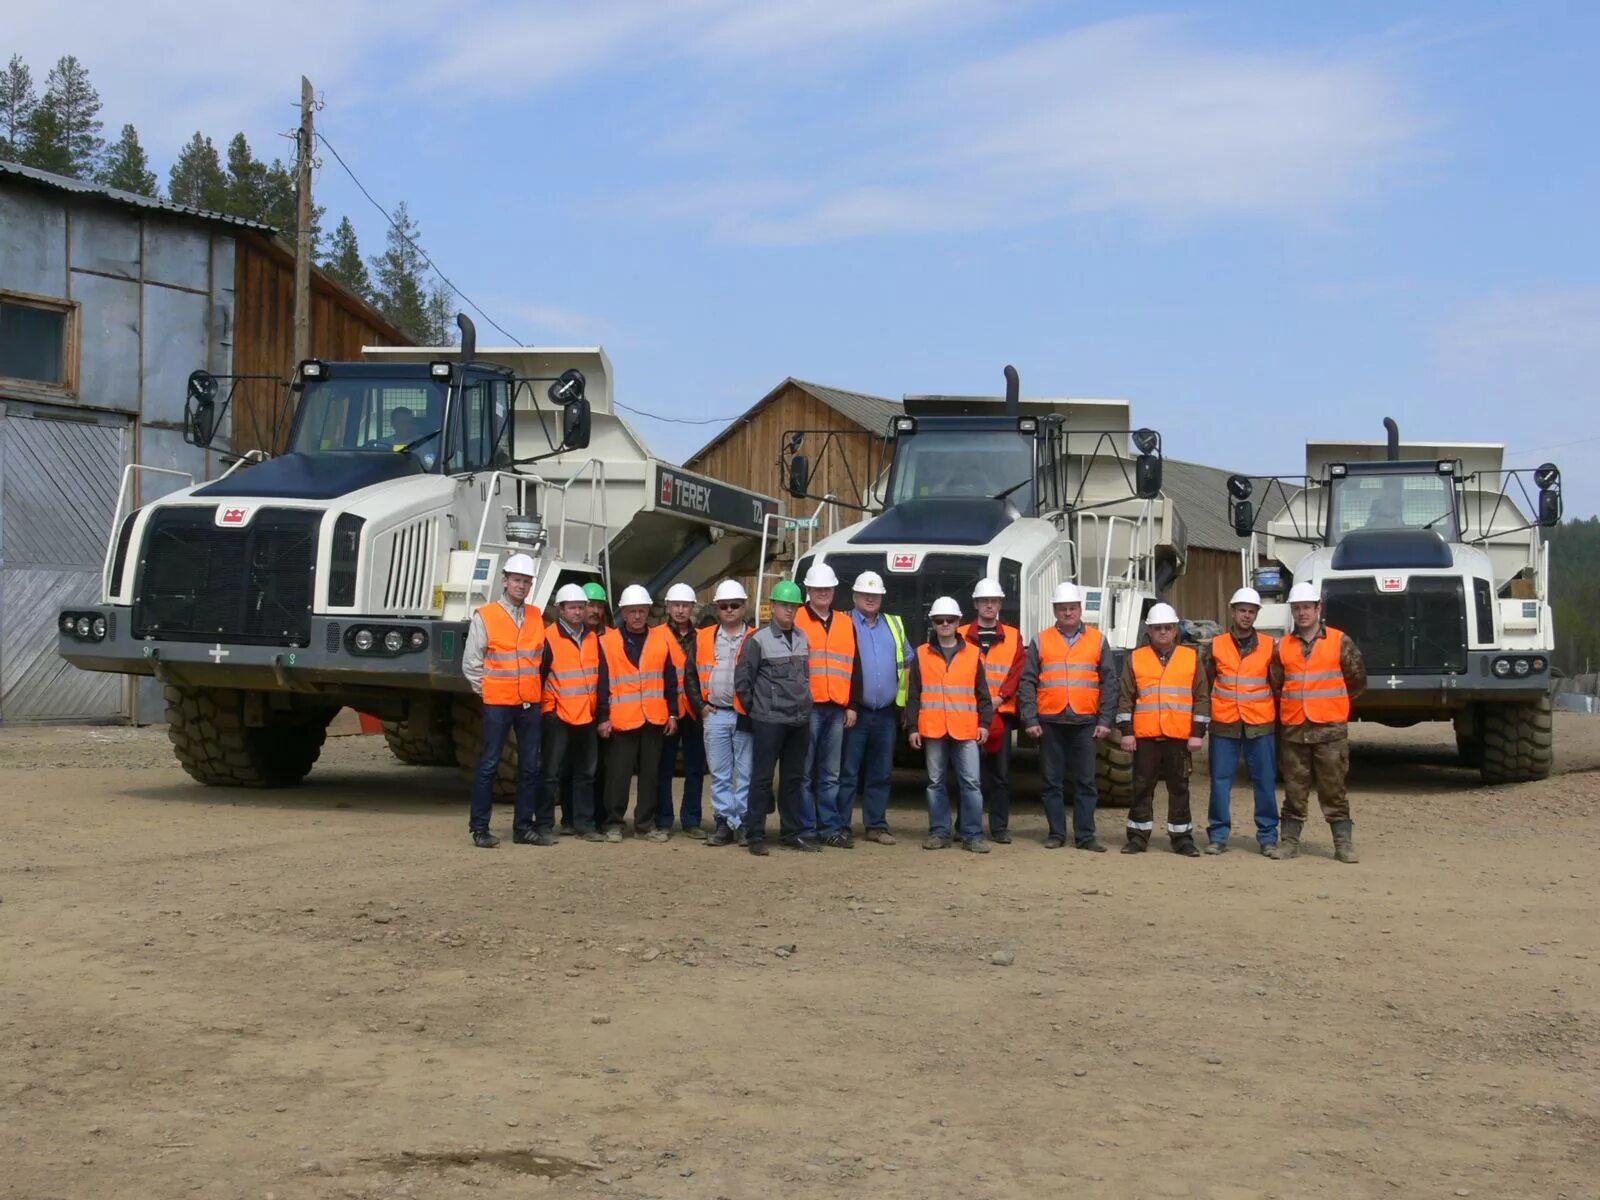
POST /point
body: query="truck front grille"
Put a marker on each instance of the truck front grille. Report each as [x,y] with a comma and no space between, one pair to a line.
[201,583]
[1422,630]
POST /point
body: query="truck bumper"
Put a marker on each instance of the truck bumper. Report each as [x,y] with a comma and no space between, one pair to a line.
[1417,693]
[327,664]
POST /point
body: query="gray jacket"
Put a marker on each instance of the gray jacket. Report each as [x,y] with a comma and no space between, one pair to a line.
[773,678]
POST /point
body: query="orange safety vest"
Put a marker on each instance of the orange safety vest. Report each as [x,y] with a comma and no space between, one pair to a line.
[1069,675]
[1313,688]
[997,663]
[511,662]
[949,696]
[1242,691]
[705,661]
[833,655]
[680,659]
[1164,706]
[638,694]
[574,678]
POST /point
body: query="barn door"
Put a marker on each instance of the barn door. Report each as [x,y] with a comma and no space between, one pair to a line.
[58,493]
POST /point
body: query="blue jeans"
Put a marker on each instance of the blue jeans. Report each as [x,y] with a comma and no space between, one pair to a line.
[943,755]
[694,774]
[1261,758]
[866,766]
[498,721]
[727,752]
[1067,755]
[821,788]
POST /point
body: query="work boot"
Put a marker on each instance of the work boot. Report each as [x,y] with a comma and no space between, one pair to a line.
[1137,843]
[975,845]
[592,835]
[722,835]
[613,833]
[758,847]
[1093,846]
[1344,844]
[1000,837]
[1270,850]
[1216,847]
[1054,842]
[1289,838]
[1184,844]
[882,836]
[657,835]
[484,840]
[694,833]
[935,841]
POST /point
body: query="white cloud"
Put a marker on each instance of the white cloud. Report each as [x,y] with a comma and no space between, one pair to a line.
[1548,331]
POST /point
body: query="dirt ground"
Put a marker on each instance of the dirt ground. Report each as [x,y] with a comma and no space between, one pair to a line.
[329,992]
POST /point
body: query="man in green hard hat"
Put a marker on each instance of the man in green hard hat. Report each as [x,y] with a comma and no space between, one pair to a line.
[773,684]
[597,617]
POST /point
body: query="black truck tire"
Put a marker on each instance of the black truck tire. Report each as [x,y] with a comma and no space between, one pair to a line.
[1518,741]
[424,743]
[466,730]
[1469,739]
[208,733]
[1113,777]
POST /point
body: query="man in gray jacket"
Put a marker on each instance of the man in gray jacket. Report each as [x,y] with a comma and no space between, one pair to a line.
[773,683]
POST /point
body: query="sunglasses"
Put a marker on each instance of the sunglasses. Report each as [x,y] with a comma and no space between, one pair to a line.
[730,605]
[944,620]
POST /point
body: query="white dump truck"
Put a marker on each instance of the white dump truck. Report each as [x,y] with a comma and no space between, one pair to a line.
[343,571]
[1432,556]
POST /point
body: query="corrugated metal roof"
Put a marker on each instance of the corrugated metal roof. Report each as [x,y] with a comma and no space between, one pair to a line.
[870,412]
[80,187]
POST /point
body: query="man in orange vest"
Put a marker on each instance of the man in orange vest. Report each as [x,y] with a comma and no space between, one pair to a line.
[1165,703]
[1242,668]
[709,676]
[948,711]
[505,645]
[572,670]
[1322,673]
[835,691]
[1003,660]
[637,710]
[1065,701]
[681,601]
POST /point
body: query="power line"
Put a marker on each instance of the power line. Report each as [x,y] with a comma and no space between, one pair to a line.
[1555,446]
[673,420]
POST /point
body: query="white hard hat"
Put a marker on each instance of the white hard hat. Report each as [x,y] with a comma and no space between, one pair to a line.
[1162,614]
[1246,595]
[869,582]
[1067,593]
[520,564]
[1305,593]
[730,589]
[945,606]
[571,593]
[988,589]
[633,595]
[681,591]
[821,576]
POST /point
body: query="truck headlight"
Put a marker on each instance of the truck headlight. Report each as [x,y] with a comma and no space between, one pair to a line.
[68,624]
[1520,667]
[419,639]
[82,629]
[362,640]
[1502,667]
[393,641]
[99,628]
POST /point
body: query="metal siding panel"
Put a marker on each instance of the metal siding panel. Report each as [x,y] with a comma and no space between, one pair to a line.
[174,346]
[33,243]
[36,684]
[109,357]
[177,254]
[166,448]
[106,241]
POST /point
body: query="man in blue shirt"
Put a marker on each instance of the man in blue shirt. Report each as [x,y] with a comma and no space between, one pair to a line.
[868,758]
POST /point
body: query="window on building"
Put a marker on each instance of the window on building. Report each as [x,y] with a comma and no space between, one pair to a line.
[38,341]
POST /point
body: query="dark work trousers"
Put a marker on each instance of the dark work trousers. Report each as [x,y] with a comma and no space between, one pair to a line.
[1067,759]
[634,750]
[995,774]
[570,751]
[693,740]
[567,814]
[780,747]
[498,721]
[1166,759]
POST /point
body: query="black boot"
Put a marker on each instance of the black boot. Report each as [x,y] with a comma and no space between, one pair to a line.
[722,835]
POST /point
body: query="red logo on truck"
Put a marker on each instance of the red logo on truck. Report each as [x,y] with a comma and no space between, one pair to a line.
[666,488]
[234,516]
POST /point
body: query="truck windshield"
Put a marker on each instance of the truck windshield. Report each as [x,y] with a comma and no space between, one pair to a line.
[381,415]
[943,464]
[1394,500]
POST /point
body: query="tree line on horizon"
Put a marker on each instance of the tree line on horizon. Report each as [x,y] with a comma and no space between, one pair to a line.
[1575,594]
[60,132]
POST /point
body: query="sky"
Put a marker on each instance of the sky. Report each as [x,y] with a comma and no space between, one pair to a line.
[1260,223]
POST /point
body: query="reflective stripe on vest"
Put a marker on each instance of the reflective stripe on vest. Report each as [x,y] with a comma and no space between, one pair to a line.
[898,628]
[574,678]
[1242,691]
[638,695]
[680,659]
[1164,706]
[949,696]
[833,655]
[705,662]
[1069,675]
[997,664]
[1313,689]
[511,661]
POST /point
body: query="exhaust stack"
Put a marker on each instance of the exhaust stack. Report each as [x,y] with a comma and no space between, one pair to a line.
[1394,438]
[1013,392]
[469,337]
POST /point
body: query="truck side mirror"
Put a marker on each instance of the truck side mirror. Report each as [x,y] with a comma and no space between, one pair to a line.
[799,475]
[200,409]
[1244,517]
[1550,506]
[1147,476]
[575,425]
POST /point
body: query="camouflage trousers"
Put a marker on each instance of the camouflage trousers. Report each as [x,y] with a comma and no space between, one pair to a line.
[1325,764]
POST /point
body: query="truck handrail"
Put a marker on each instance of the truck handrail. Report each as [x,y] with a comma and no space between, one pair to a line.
[121,512]
[597,499]
[798,526]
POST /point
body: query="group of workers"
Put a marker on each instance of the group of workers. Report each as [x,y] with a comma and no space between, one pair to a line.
[818,699]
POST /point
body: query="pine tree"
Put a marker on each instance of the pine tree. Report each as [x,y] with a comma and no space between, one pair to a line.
[344,261]
[247,182]
[17,102]
[441,315]
[77,108]
[46,142]
[197,178]
[127,167]
[401,287]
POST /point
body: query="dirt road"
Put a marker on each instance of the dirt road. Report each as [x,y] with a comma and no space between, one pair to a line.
[328,992]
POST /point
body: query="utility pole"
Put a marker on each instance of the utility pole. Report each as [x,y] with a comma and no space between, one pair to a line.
[302,241]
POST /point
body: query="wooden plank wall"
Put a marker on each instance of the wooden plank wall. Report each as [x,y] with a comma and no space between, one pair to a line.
[1203,590]
[263,341]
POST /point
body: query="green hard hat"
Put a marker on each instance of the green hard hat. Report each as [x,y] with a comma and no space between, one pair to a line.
[787,592]
[595,592]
